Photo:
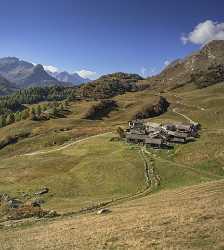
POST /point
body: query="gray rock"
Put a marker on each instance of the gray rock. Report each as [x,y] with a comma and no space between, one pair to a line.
[45,190]
[37,203]
[103,211]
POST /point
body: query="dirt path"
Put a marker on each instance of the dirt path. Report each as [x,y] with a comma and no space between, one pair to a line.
[152,182]
[152,178]
[64,146]
[186,117]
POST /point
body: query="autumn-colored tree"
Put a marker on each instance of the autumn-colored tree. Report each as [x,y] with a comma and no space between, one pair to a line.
[39,110]
[121,132]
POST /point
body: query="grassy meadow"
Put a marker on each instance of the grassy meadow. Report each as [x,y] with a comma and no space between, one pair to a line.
[187,206]
[99,170]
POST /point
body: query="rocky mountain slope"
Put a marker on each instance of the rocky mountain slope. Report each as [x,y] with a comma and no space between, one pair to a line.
[203,68]
[25,74]
[64,76]
[6,87]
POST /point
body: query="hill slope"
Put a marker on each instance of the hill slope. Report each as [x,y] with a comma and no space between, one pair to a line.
[203,68]
[110,85]
[189,218]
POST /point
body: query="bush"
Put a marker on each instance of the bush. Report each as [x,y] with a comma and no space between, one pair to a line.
[152,110]
[11,139]
[100,110]
[121,132]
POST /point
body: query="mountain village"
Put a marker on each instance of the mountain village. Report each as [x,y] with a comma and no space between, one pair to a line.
[161,135]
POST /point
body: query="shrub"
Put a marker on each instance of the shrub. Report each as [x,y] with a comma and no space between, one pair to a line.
[101,109]
[121,132]
[152,110]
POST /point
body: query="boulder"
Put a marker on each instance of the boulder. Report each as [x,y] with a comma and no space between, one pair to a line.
[103,211]
[37,203]
[14,203]
[51,214]
[45,190]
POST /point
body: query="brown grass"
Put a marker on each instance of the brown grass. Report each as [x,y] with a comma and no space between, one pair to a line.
[188,218]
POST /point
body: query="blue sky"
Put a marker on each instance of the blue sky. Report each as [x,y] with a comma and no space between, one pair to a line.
[105,36]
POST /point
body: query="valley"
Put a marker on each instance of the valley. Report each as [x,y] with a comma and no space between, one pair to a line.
[154,196]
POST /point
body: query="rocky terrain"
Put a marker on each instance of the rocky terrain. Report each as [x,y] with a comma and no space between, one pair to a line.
[64,76]
[24,74]
[6,87]
[202,68]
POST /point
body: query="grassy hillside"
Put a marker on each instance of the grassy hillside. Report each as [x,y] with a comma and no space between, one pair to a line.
[76,175]
[81,173]
[187,218]
[98,169]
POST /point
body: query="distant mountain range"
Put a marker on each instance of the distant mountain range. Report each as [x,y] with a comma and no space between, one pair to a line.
[19,74]
[64,76]
[200,69]
[24,74]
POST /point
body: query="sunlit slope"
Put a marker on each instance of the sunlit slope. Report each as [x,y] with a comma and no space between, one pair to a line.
[98,169]
[187,218]
[92,171]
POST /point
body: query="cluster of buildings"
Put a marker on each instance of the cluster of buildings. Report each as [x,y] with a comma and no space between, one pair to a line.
[160,135]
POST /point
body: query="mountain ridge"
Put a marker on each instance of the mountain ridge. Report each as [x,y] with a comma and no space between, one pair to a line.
[65,76]
[202,68]
[6,87]
[24,74]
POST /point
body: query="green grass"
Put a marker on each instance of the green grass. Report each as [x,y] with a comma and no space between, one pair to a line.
[100,170]
[90,171]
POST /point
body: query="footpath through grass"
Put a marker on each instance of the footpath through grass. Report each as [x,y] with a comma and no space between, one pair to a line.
[78,176]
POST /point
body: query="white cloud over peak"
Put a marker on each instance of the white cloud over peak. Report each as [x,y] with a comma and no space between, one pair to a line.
[51,68]
[143,71]
[204,33]
[148,72]
[167,62]
[87,74]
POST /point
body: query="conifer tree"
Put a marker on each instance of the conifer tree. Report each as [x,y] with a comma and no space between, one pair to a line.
[10,118]
[61,107]
[38,111]
[33,114]
[25,114]
[2,121]
[18,116]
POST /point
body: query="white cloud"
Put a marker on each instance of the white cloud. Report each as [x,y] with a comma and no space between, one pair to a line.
[204,33]
[87,74]
[167,62]
[51,68]
[148,72]
[152,71]
[143,71]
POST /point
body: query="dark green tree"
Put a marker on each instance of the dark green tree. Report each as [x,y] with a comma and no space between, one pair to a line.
[2,121]
[10,118]
[39,110]
[25,114]
[33,114]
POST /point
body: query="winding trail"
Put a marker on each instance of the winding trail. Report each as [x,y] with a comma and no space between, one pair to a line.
[186,117]
[65,145]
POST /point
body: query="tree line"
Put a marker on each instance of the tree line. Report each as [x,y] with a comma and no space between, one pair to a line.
[40,112]
[16,101]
